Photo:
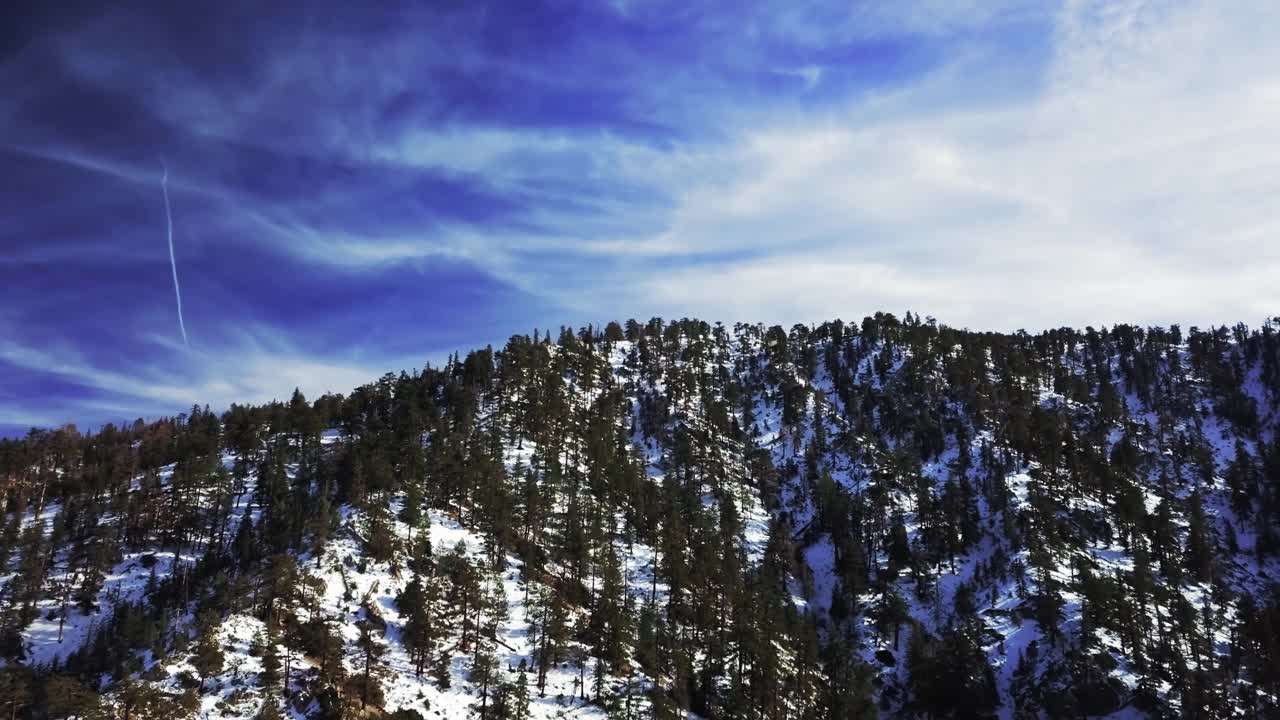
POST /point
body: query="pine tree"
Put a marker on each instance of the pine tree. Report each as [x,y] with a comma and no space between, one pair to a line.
[66,698]
[417,603]
[270,709]
[411,514]
[483,675]
[142,700]
[208,658]
[899,548]
[493,610]
[892,612]
[371,649]
[269,678]
[15,689]
[1199,543]
[518,706]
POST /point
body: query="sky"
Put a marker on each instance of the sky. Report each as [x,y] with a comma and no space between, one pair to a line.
[219,202]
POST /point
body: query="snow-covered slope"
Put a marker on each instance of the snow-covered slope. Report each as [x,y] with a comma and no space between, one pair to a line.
[892,512]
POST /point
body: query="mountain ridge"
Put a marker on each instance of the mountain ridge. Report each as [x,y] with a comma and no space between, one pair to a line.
[654,519]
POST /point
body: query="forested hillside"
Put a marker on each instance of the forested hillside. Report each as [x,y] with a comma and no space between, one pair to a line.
[668,519]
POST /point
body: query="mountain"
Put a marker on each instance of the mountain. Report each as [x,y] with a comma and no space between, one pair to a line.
[893,518]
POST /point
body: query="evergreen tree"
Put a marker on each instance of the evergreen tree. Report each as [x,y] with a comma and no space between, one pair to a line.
[371,650]
[269,678]
[208,659]
[518,706]
[483,675]
[67,699]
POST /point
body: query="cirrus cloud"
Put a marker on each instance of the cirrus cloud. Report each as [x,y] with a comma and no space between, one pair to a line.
[357,190]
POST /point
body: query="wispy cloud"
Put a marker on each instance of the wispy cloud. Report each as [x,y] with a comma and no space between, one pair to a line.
[362,188]
[256,369]
[1132,186]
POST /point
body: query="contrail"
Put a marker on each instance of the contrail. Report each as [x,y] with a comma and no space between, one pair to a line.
[173,263]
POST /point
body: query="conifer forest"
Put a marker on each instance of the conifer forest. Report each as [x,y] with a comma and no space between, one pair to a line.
[674,519]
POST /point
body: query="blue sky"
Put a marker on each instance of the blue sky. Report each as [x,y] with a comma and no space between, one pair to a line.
[361,187]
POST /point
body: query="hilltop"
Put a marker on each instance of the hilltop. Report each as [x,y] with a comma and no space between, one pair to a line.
[657,519]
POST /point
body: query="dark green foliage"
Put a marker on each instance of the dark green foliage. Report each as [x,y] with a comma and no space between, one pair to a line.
[209,657]
[680,490]
[66,697]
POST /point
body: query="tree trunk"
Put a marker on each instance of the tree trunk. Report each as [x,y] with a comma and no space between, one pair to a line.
[364,687]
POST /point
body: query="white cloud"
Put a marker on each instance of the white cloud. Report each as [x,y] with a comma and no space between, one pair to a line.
[258,368]
[1137,184]
[822,23]
[17,418]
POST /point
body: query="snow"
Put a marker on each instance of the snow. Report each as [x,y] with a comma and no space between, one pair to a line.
[347,576]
